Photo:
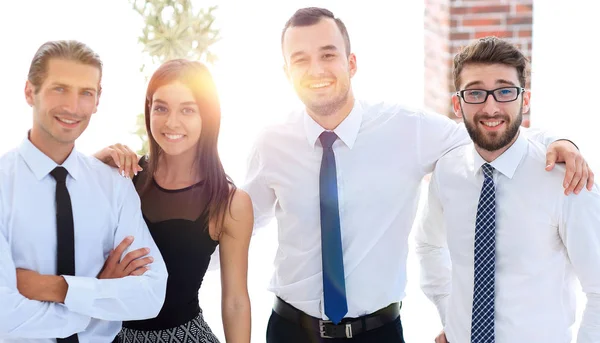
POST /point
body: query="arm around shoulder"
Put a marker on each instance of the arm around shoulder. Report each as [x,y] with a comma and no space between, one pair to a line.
[437,135]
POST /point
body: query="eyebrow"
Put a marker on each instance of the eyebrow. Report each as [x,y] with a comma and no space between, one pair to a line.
[329,47]
[498,82]
[89,89]
[187,103]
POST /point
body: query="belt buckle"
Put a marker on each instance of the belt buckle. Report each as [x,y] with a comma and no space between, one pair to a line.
[323,329]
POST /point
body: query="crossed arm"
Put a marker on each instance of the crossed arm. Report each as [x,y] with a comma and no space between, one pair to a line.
[47,306]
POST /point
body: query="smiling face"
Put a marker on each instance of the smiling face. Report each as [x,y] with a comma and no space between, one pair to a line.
[318,66]
[64,103]
[175,121]
[492,125]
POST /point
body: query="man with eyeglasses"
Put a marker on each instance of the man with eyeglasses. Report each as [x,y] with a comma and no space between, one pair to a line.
[500,246]
[342,178]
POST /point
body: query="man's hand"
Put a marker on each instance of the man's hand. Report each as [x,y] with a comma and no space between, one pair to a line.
[578,172]
[132,263]
[34,286]
[441,338]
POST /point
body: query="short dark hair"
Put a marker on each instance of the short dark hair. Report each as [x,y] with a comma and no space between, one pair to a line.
[490,50]
[62,49]
[312,15]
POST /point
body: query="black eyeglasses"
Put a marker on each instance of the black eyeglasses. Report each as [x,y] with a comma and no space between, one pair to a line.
[479,96]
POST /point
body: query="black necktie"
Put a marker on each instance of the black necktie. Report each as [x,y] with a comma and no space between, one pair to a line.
[65,233]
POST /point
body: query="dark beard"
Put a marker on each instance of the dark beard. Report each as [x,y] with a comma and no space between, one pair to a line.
[480,139]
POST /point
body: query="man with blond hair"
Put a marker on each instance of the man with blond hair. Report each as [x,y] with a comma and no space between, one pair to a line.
[62,214]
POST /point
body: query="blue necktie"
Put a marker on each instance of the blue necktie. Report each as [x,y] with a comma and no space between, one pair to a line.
[334,284]
[482,320]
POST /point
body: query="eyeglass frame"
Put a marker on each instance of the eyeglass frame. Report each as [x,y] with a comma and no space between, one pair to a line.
[460,94]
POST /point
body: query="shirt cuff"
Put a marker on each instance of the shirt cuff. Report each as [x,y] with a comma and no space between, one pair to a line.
[79,297]
[77,323]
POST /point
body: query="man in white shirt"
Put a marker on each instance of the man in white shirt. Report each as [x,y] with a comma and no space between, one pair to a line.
[500,246]
[342,178]
[61,215]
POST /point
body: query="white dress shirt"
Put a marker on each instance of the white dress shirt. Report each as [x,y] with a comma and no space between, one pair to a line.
[106,209]
[382,153]
[544,239]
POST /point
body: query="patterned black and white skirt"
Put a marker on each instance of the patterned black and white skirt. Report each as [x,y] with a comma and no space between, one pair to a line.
[194,331]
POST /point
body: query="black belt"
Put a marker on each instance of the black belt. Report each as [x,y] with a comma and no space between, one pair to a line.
[347,328]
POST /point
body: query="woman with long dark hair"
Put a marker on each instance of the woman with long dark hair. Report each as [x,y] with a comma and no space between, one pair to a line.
[190,206]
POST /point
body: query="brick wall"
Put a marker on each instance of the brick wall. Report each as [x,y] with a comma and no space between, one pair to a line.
[451,24]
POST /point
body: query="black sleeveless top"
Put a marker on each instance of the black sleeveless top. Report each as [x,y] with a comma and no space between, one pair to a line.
[178,222]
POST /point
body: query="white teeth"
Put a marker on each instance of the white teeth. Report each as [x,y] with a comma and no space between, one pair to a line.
[319,85]
[491,123]
[66,121]
[173,136]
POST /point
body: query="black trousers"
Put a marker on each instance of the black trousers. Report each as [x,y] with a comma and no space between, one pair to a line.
[281,330]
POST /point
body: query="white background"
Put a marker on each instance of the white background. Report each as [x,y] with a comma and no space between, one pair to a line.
[387,37]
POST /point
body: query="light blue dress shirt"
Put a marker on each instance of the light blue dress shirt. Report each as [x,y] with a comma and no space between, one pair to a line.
[106,209]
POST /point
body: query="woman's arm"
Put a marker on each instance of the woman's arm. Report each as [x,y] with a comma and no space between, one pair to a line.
[234,242]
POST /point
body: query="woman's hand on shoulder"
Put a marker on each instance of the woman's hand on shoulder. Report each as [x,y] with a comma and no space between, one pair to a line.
[122,157]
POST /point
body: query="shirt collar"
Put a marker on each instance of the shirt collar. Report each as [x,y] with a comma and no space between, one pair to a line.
[508,162]
[347,131]
[41,165]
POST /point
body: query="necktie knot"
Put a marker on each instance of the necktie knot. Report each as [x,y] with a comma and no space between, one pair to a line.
[59,174]
[327,139]
[488,170]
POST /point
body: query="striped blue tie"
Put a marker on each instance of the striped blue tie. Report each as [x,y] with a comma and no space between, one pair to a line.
[482,320]
[334,284]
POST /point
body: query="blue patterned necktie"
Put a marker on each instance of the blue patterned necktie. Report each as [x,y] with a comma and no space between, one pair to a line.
[482,321]
[334,284]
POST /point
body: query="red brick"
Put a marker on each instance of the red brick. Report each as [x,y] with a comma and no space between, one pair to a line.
[489,9]
[528,20]
[500,34]
[524,33]
[481,22]
[460,36]
[524,9]
[459,10]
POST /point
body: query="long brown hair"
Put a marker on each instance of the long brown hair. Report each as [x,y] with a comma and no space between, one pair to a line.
[197,78]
